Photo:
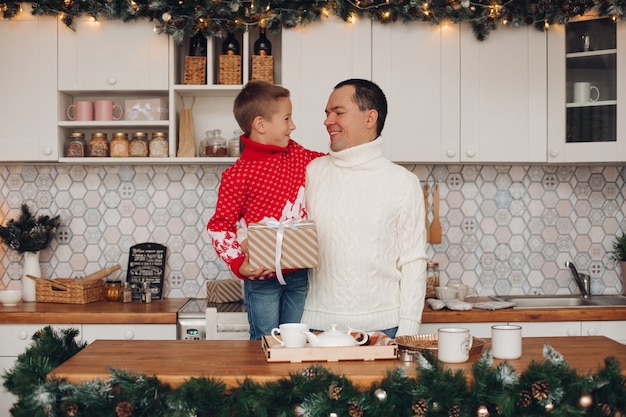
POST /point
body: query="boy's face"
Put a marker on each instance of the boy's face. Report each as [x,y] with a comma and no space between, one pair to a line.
[278,129]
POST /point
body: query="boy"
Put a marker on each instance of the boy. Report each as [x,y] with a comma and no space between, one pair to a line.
[267,181]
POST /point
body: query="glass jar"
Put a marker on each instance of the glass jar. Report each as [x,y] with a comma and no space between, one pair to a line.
[146,292]
[213,145]
[75,145]
[159,147]
[432,279]
[120,145]
[234,145]
[139,145]
[98,145]
[114,290]
[127,292]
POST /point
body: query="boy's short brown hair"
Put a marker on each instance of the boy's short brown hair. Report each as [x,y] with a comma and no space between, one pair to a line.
[257,98]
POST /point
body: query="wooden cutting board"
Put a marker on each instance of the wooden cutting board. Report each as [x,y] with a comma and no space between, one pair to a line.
[435,227]
[426,209]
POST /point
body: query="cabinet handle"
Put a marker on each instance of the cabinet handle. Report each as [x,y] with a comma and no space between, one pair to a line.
[47,151]
[554,153]
[22,335]
[572,332]
[111,80]
[450,153]
[129,335]
[592,331]
[470,153]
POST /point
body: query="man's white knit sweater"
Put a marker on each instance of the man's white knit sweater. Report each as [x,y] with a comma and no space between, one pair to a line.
[369,214]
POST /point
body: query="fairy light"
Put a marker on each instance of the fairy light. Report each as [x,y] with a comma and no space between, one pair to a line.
[325,12]
[546,25]
[385,15]
[352,18]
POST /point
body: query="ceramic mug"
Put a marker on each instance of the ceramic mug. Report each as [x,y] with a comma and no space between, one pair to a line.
[106,110]
[453,344]
[446,293]
[582,92]
[462,290]
[506,341]
[291,334]
[81,111]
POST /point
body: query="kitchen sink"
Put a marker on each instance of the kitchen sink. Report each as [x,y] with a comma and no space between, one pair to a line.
[563,301]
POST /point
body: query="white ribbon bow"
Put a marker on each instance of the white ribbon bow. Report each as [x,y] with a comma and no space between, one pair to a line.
[137,110]
[280,232]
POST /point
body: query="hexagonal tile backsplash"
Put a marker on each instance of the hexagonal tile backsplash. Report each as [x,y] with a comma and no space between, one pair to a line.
[506,229]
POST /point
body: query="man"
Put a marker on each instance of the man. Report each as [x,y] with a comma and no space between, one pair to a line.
[369,214]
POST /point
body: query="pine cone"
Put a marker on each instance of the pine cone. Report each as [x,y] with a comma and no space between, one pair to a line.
[124,409]
[71,410]
[309,372]
[525,399]
[455,411]
[623,381]
[334,391]
[355,411]
[540,390]
[420,408]
[605,409]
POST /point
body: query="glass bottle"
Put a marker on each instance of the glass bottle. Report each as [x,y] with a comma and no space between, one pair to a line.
[198,45]
[75,145]
[139,145]
[98,145]
[219,146]
[234,144]
[159,147]
[114,291]
[127,293]
[432,279]
[230,46]
[146,293]
[262,46]
[120,145]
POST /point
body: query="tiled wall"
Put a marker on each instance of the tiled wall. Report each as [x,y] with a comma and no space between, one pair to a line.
[507,229]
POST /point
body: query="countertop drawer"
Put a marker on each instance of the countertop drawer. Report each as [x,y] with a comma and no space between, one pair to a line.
[16,337]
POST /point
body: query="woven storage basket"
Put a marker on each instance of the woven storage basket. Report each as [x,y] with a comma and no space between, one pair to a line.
[263,68]
[230,69]
[78,291]
[195,70]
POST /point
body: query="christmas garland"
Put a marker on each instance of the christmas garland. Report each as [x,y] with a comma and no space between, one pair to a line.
[550,388]
[183,18]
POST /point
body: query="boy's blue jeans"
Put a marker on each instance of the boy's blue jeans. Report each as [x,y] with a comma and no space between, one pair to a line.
[269,304]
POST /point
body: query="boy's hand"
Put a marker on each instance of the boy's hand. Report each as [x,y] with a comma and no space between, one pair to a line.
[247,270]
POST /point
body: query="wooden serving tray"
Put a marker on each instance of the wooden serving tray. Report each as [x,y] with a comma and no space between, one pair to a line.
[274,352]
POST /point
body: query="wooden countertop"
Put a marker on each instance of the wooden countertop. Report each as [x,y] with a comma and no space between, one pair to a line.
[174,362]
[100,312]
[164,312]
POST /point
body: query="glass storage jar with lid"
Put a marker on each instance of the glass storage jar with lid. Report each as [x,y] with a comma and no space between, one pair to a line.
[75,145]
[234,144]
[159,147]
[98,145]
[114,290]
[120,145]
[213,145]
[139,145]
[432,279]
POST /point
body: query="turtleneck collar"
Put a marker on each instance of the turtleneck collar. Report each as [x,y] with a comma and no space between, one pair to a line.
[358,155]
[254,150]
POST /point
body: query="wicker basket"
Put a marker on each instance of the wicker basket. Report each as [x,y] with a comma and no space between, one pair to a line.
[263,68]
[77,291]
[230,69]
[195,70]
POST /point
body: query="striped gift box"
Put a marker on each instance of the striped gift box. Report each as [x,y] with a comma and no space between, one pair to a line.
[224,290]
[299,246]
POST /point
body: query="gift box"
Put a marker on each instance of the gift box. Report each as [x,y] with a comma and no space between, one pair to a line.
[146,109]
[297,244]
[224,291]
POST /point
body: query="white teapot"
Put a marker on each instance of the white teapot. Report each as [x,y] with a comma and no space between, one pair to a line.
[334,338]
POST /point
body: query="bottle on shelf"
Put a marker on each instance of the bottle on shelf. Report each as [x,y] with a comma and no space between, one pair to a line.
[120,145]
[146,292]
[139,145]
[127,293]
[262,46]
[213,145]
[159,147]
[98,145]
[230,46]
[198,45]
[234,144]
[75,145]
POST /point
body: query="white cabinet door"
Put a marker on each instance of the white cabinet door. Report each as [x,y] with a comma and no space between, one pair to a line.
[417,66]
[503,96]
[315,58]
[112,55]
[560,96]
[546,329]
[93,332]
[481,330]
[28,100]
[615,330]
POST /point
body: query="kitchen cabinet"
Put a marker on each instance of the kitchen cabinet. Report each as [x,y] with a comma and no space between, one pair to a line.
[315,58]
[481,330]
[503,96]
[28,104]
[118,61]
[588,125]
[423,123]
[226,325]
[610,329]
[91,332]
[15,339]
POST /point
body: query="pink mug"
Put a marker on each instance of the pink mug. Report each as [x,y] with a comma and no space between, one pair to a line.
[81,110]
[106,109]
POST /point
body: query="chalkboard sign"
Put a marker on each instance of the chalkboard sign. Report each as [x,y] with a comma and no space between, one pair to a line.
[146,262]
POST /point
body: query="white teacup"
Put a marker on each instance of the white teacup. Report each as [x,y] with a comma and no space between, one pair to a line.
[291,334]
[446,293]
[453,344]
[506,341]
[462,290]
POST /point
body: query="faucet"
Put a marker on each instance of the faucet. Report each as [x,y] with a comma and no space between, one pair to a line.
[582,280]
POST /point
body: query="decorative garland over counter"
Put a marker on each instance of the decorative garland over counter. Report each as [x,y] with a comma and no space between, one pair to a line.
[183,18]
[550,388]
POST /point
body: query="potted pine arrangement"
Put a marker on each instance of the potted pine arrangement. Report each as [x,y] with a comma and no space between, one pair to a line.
[619,253]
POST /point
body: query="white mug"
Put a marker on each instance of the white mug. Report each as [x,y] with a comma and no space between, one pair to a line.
[446,293]
[462,290]
[506,341]
[453,344]
[582,92]
[291,334]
